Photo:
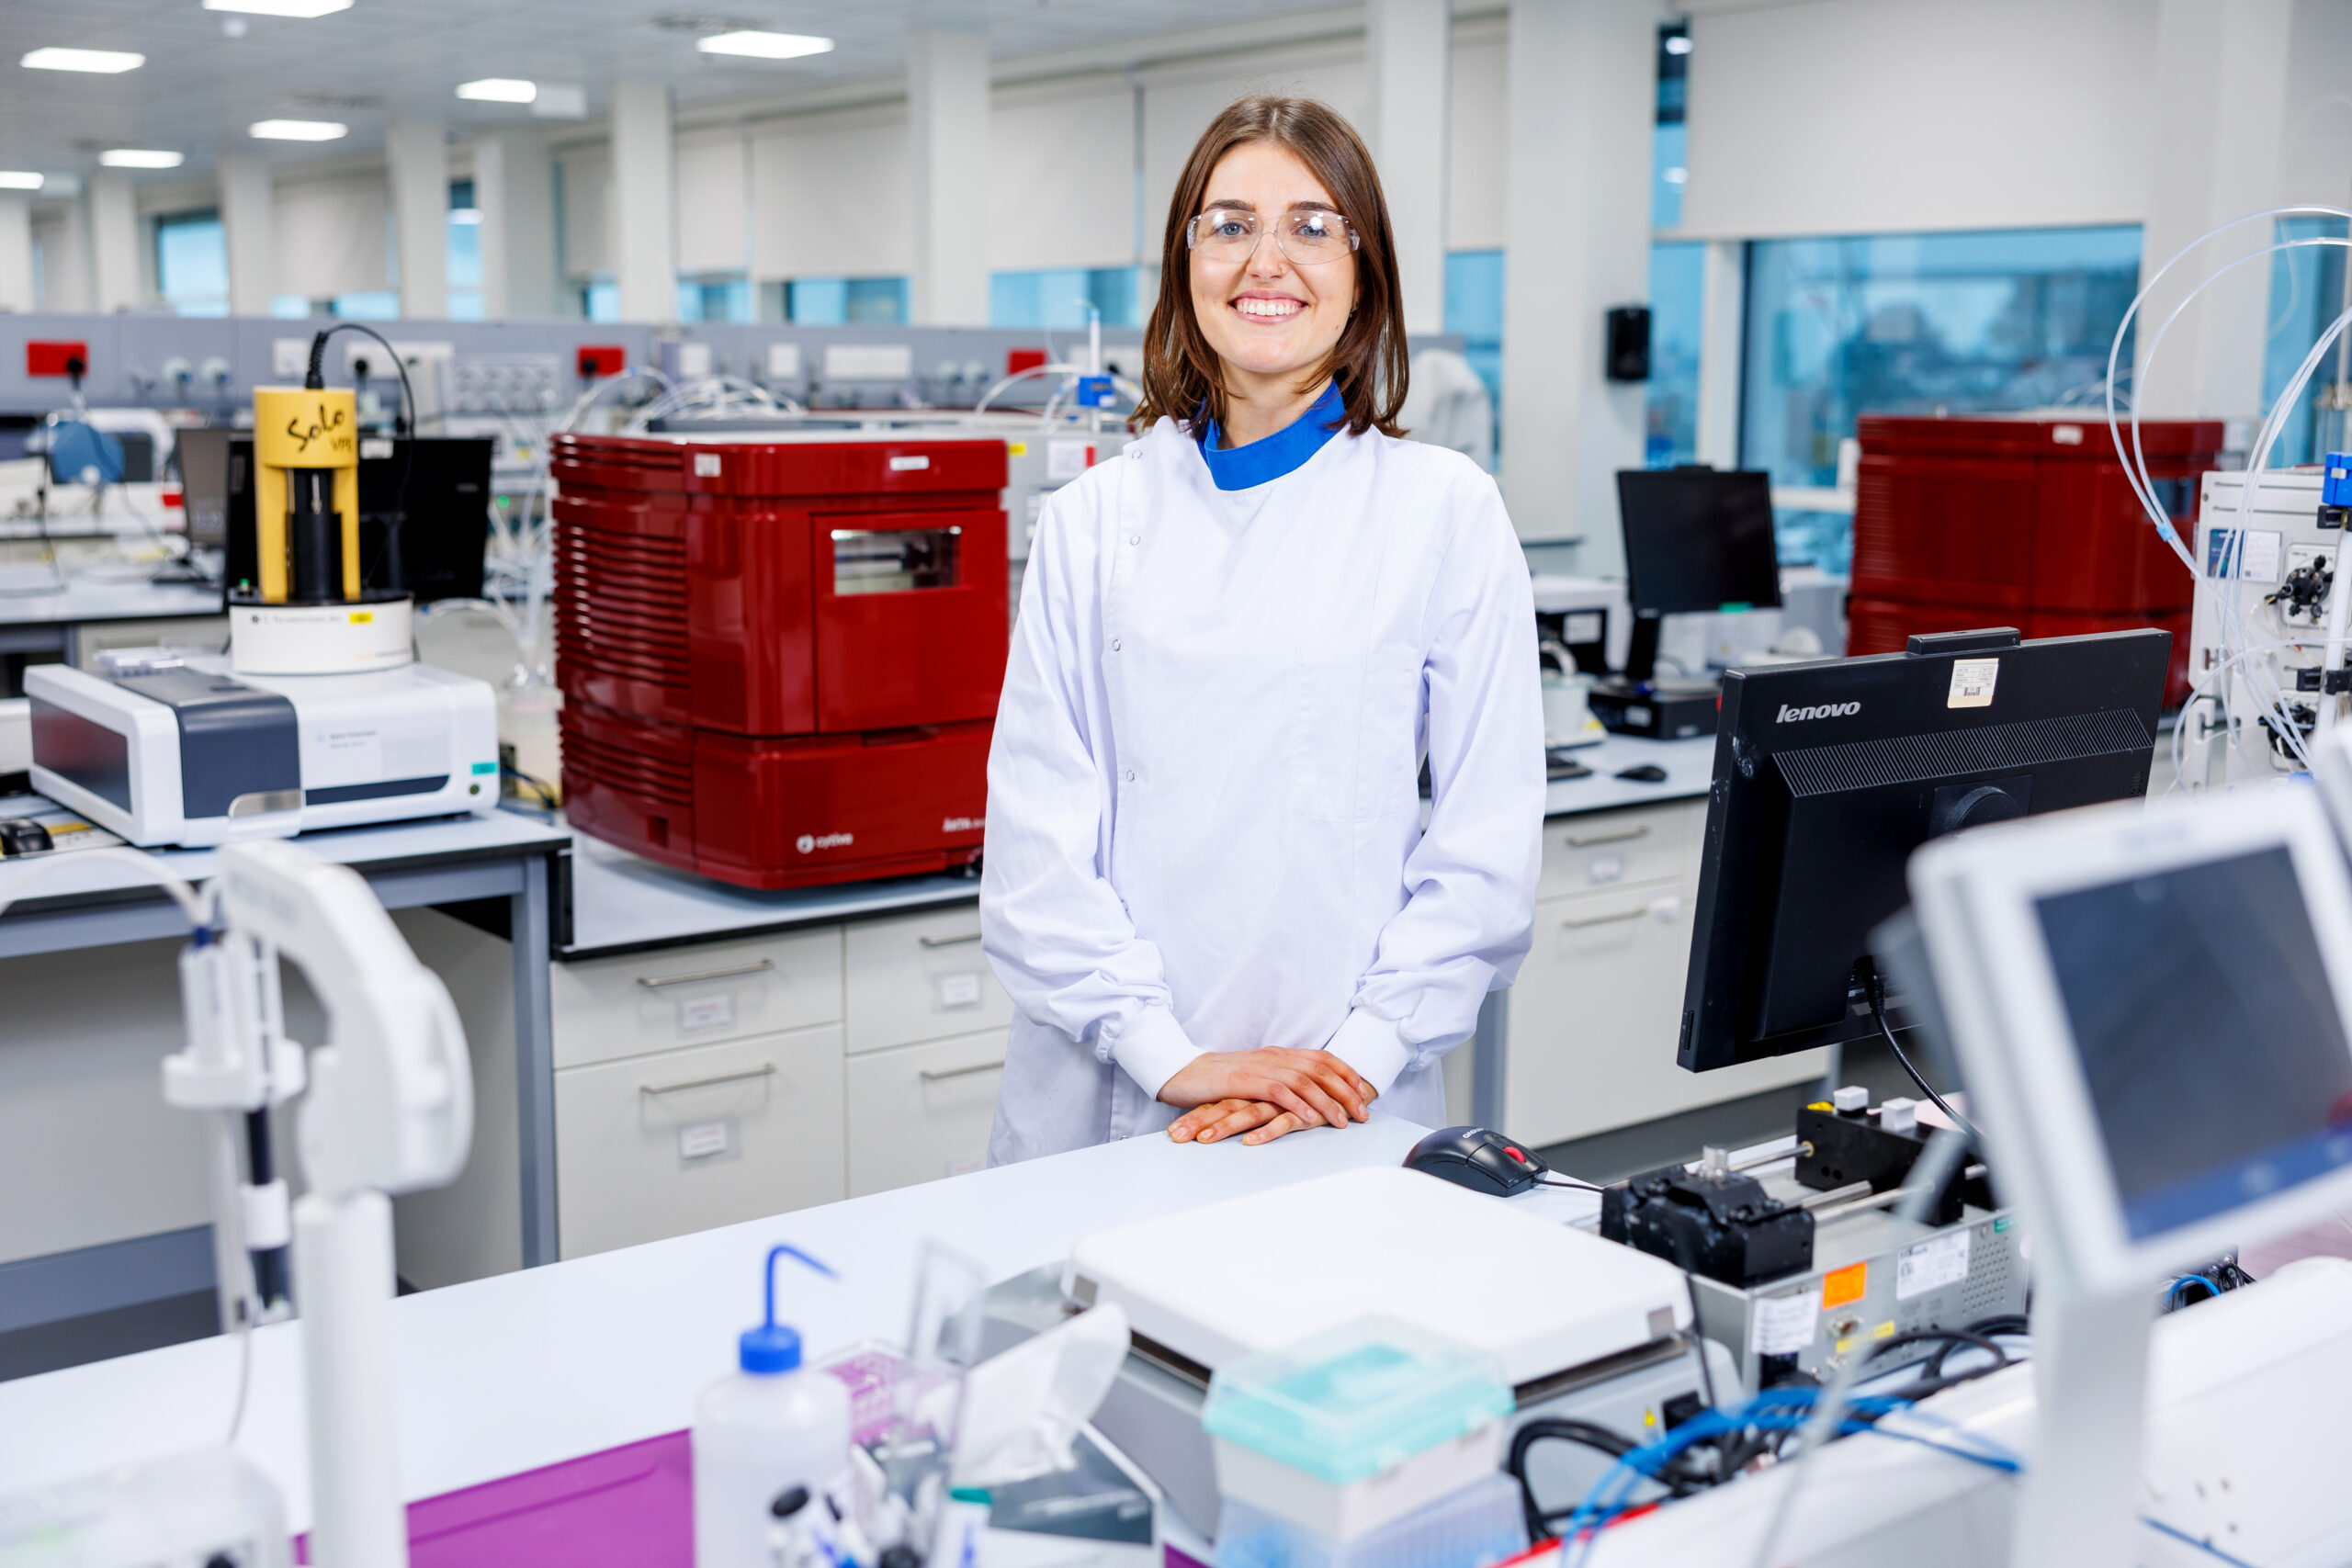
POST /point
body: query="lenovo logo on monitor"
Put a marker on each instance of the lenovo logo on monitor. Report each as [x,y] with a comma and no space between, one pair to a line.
[1826,710]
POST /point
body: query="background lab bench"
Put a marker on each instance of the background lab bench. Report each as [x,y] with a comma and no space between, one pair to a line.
[721,1054]
[116,1209]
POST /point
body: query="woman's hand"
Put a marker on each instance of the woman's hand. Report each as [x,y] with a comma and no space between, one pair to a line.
[1254,1120]
[1314,1087]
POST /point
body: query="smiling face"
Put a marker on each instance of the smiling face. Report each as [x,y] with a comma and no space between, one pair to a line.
[1267,318]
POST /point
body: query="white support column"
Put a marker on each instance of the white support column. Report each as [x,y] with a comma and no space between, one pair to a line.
[2222,73]
[514,188]
[249,218]
[114,242]
[1576,232]
[947,121]
[643,221]
[1722,348]
[1410,44]
[16,252]
[417,158]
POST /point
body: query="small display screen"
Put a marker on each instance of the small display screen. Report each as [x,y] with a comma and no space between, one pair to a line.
[2208,1032]
[894,560]
[1697,540]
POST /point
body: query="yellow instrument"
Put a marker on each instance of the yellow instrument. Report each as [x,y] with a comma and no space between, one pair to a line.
[306,494]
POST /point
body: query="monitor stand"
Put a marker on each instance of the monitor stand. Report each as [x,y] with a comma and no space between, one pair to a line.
[1641,656]
[2079,1502]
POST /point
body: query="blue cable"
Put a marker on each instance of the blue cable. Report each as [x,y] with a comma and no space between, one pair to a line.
[2172,1296]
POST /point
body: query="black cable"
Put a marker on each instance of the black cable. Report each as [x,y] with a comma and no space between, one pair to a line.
[314,379]
[1877,1013]
[1579,1186]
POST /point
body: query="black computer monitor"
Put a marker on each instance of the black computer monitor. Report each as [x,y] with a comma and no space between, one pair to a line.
[1828,774]
[1696,539]
[423,516]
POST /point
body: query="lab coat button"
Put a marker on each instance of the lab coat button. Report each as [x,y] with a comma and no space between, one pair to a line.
[1135,538]
[1114,644]
[1130,776]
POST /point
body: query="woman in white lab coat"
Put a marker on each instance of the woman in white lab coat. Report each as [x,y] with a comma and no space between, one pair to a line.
[1208,886]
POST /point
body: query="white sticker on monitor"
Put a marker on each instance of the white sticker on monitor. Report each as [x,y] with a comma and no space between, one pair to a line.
[700,1140]
[961,990]
[1783,1326]
[708,1012]
[1971,682]
[1930,1265]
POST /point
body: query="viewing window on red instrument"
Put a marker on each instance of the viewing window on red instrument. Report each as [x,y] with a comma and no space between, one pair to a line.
[894,560]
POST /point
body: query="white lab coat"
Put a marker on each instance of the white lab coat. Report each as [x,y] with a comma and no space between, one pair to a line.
[1205,828]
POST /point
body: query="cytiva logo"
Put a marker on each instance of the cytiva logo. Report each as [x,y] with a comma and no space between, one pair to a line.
[962,824]
[1826,710]
[809,842]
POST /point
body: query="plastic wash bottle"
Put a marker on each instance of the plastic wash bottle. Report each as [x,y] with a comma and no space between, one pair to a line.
[774,1425]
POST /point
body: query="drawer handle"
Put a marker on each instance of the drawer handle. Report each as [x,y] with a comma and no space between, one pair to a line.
[1587,841]
[947,940]
[706,1083]
[762,968]
[929,1076]
[1574,925]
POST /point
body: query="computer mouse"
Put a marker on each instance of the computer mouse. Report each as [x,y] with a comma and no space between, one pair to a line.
[23,836]
[1643,773]
[1479,1158]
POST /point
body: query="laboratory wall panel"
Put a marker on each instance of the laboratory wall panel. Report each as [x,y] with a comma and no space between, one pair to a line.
[1062,187]
[714,199]
[1858,117]
[1477,141]
[334,236]
[587,194]
[830,196]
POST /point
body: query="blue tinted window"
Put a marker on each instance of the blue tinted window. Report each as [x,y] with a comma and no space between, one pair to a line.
[1677,299]
[601,301]
[719,299]
[2306,293]
[1474,312]
[1902,323]
[1057,299]
[464,253]
[374,305]
[192,263]
[877,300]
[838,301]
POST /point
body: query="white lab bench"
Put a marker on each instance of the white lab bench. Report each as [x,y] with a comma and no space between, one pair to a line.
[511,1373]
[722,1052]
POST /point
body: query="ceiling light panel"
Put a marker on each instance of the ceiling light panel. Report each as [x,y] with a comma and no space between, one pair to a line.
[140,158]
[102,62]
[19,179]
[299,130]
[499,90]
[758,45]
[301,10]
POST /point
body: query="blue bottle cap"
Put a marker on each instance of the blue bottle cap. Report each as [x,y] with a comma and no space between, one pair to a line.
[771,1348]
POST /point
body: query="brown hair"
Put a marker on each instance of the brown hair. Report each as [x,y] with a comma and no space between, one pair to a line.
[1181,375]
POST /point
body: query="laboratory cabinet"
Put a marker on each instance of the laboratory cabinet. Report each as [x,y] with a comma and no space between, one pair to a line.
[1590,1027]
[703,1085]
[686,1140]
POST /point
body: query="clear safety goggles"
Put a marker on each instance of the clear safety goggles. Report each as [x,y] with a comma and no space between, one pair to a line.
[1306,235]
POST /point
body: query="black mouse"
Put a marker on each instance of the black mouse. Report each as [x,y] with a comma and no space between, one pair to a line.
[1479,1158]
[1643,773]
[23,836]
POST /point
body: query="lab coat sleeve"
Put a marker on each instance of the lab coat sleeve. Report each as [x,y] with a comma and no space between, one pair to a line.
[1056,932]
[1470,905]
